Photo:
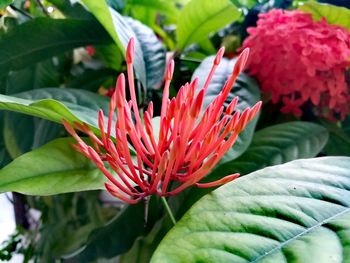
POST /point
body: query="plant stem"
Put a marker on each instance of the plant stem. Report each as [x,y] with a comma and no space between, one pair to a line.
[167,208]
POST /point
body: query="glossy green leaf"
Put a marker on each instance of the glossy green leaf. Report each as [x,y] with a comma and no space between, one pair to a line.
[199,18]
[246,88]
[20,47]
[333,14]
[4,3]
[296,212]
[153,52]
[54,168]
[160,6]
[339,138]
[55,104]
[101,11]
[278,144]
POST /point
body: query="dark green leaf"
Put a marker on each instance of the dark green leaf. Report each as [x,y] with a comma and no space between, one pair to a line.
[54,168]
[91,79]
[71,10]
[278,144]
[296,212]
[39,75]
[246,88]
[118,236]
[20,47]
[37,133]
[339,138]
[199,18]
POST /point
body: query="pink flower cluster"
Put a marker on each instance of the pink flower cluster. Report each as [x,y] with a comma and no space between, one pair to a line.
[298,60]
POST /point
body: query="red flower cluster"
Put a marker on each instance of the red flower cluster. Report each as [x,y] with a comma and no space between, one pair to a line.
[297,60]
[188,145]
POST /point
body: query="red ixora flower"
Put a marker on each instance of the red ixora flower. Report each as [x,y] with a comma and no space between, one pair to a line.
[189,144]
[298,60]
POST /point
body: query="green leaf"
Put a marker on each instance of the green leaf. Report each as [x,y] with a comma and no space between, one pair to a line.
[246,88]
[153,52]
[159,6]
[339,138]
[4,3]
[20,47]
[296,212]
[199,18]
[91,79]
[37,133]
[119,234]
[70,104]
[278,144]
[101,11]
[333,14]
[39,75]
[54,168]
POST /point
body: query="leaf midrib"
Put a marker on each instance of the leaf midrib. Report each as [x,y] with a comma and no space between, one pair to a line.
[285,243]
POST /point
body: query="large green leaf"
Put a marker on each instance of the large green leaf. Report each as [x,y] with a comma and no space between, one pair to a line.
[199,18]
[339,138]
[55,104]
[246,88]
[20,47]
[296,212]
[333,14]
[51,169]
[101,11]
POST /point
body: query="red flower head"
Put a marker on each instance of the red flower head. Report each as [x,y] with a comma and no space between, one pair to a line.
[187,148]
[297,60]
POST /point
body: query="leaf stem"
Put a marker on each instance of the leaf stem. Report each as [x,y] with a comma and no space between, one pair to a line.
[167,208]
